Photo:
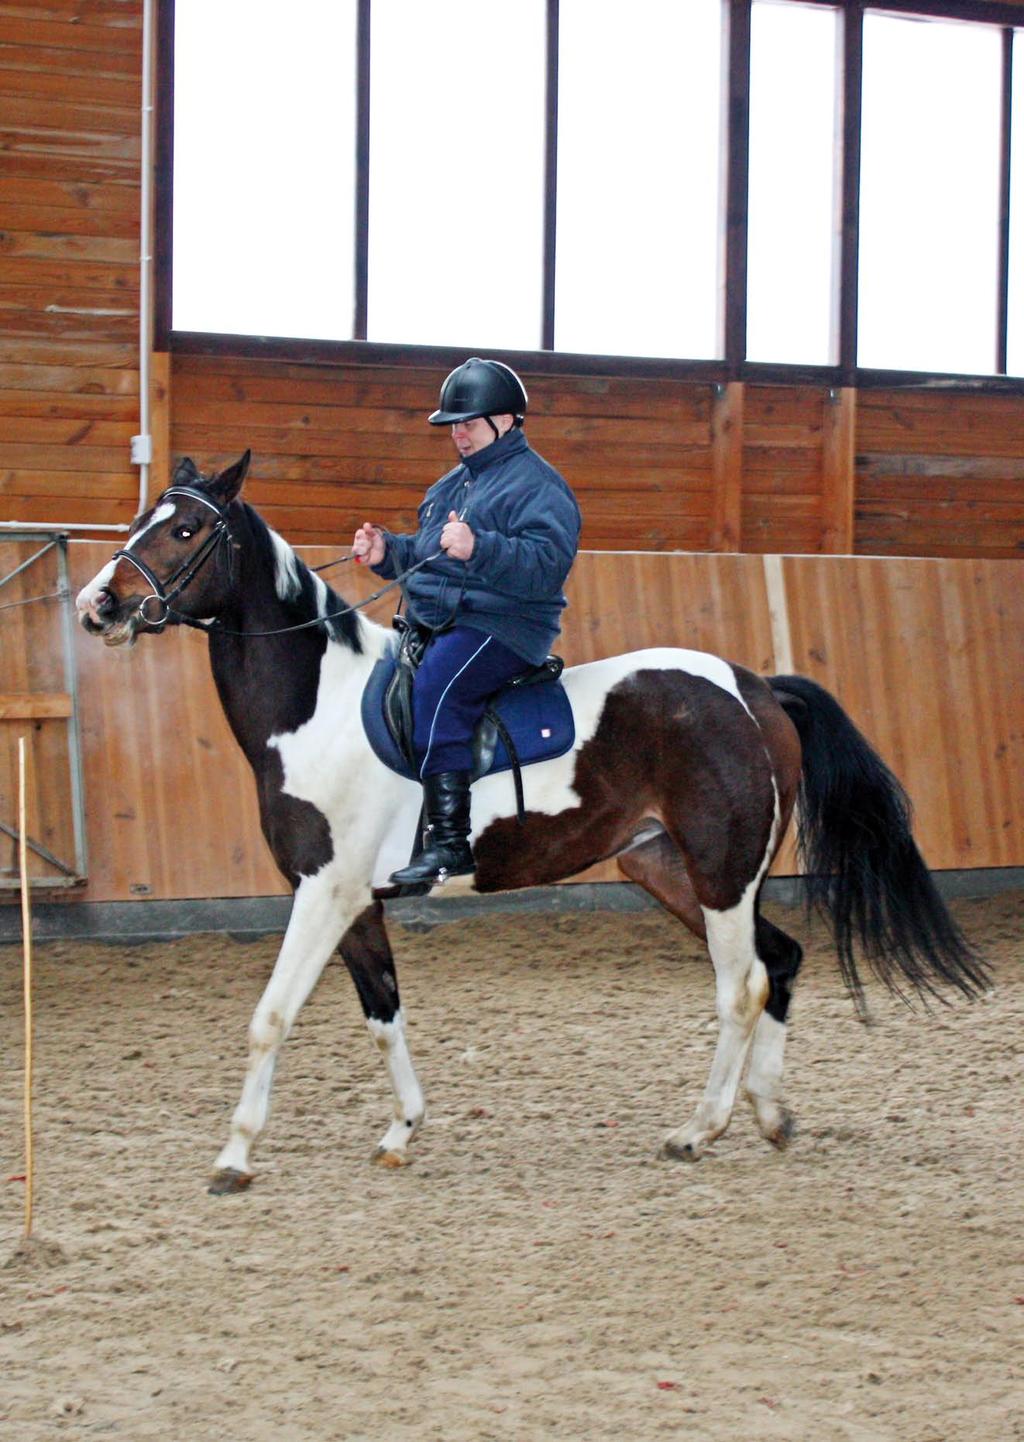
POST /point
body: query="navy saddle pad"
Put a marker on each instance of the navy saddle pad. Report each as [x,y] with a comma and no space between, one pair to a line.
[537,716]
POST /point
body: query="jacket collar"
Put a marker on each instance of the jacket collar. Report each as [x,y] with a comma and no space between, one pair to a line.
[510,444]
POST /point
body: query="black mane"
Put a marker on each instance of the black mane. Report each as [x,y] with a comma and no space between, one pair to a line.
[343,626]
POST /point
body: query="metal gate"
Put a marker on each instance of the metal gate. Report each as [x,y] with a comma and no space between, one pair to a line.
[39,700]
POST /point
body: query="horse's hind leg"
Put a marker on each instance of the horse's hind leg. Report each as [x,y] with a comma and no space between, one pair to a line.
[741,990]
[733,939]
[367,954]
[782,957]
[317,921]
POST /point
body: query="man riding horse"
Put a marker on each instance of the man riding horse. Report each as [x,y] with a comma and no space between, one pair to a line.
[499,534]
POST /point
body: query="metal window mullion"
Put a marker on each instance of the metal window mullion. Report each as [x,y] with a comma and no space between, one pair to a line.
[1003,277]
[852,79]
[550,179]
[737,142]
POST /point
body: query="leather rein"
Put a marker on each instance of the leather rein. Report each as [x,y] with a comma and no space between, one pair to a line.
[165,592]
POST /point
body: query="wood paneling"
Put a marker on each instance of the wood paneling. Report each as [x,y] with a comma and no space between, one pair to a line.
[69,129]
[659,464]
[923,654]
[33,704]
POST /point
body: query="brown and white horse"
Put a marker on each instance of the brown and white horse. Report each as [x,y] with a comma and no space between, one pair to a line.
[684,767]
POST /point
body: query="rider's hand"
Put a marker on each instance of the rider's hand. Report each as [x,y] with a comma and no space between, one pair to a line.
[457,540]
[368,545]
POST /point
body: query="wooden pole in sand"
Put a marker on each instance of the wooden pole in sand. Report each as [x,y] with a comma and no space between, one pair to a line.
[26,934]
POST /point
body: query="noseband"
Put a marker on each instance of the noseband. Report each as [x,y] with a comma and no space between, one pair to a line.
[164,592]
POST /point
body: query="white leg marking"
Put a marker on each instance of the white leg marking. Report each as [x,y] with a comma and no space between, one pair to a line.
[764,1080]
[317,924]
[409,1105]
[741,990]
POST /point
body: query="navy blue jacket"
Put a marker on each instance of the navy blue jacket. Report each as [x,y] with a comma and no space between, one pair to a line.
[526,526]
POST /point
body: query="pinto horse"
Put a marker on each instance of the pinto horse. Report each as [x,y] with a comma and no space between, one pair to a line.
[684,767]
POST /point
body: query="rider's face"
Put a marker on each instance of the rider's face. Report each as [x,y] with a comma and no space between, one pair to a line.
[473,436]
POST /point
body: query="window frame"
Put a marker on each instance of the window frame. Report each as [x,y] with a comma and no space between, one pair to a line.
[733,366]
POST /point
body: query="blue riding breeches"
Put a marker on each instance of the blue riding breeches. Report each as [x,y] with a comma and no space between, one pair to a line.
[460,669]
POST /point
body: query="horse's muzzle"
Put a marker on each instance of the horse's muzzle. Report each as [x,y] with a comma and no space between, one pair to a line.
[101,614]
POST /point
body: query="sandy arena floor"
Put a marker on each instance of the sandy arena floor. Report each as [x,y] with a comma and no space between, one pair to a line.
[537,1273]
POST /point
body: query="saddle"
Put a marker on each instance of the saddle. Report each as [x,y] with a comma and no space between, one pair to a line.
[528,720]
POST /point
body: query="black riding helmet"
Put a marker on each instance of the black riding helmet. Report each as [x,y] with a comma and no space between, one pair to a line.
[480,388]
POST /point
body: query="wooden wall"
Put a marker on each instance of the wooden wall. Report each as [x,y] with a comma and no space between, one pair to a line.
[924,654]
[69,252]
[659,465]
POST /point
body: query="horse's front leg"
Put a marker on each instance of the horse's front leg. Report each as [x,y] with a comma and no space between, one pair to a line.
[367,954]
[318,920]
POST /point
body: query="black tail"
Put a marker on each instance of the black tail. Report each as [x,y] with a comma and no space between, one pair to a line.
[862,865]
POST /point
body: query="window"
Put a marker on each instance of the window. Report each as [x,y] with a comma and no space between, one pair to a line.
[929,220]
[639,101]
[793,172]
[1015,326]
[456,237]
[264,167]
[557,174]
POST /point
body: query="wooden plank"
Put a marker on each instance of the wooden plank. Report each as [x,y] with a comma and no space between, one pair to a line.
[109,279]
[34,705]
[160,422]
[27,403]
[925,656]
[104,41]
[47,112]
[727,422]
[122,91]
[837,499]
[66,194]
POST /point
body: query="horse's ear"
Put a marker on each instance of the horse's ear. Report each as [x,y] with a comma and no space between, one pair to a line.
[229,482]
[186,473]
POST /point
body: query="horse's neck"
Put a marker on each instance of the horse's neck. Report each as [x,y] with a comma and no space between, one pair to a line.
[271,685]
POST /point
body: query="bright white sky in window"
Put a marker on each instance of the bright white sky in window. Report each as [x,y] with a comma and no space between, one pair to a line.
[792,205]
[457,172]
[265,176]
[264,167]
[929,195]
[1015,337]
[637,269]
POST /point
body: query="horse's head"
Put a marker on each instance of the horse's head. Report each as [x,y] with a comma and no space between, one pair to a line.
[169,566]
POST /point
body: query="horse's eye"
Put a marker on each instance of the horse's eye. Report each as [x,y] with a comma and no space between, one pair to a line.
[183,533]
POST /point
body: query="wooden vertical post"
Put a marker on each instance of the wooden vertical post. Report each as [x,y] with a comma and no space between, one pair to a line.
[839,434]
[726,466]
[160,421]
[26,931]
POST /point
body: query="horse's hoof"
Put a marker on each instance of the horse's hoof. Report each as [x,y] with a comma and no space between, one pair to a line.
[783,1133]
[228,1181]
[383,1157]
[675,1149]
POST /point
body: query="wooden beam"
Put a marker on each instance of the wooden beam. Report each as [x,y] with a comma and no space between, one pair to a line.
[839,430]
[727,466]
[160,421]
[34,706]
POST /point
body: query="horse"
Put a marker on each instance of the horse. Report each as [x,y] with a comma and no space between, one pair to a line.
[685,767]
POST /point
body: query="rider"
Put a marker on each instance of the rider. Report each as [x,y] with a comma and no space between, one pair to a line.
[502,530]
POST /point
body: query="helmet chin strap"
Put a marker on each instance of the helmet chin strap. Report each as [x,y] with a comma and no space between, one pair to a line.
[494,428]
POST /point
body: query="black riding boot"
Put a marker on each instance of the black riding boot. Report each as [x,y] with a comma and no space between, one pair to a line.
[446,834]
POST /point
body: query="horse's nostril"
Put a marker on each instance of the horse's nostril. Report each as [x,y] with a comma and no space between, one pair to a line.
[105,602]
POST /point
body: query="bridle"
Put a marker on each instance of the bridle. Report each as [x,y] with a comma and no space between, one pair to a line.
[164,592]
